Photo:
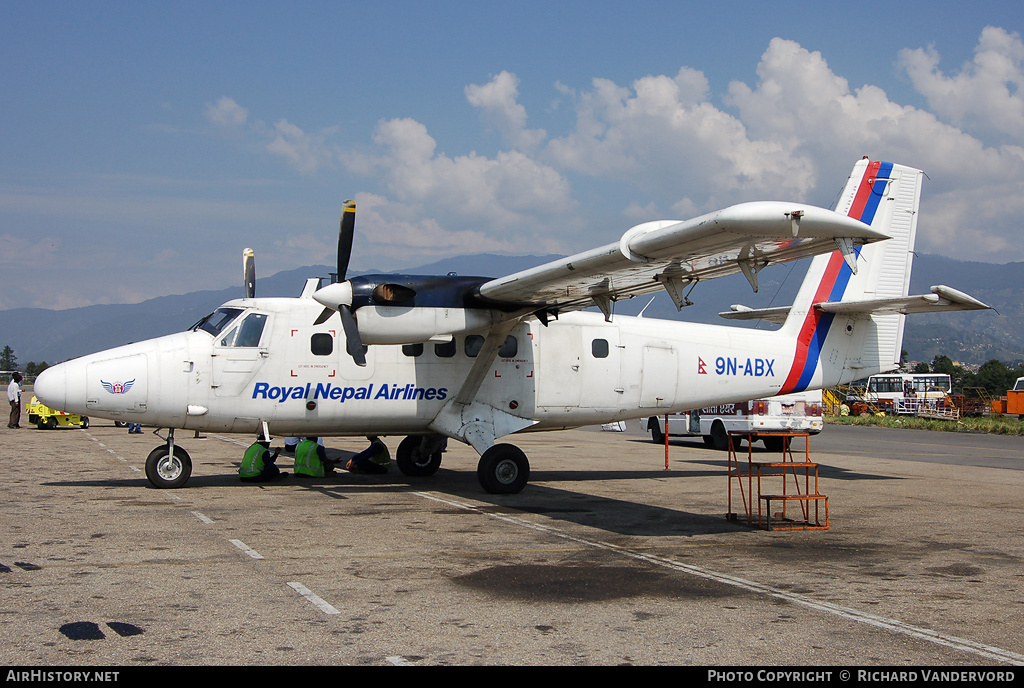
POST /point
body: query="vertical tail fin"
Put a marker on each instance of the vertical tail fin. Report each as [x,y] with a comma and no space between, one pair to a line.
[885,196]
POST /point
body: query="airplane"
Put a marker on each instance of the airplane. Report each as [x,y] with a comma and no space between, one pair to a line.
[476,359]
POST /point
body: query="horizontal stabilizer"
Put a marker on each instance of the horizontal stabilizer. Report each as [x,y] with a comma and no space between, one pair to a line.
[942,298]
[773,315]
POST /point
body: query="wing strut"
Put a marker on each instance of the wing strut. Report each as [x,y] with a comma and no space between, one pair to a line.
[484,360]
[474,422]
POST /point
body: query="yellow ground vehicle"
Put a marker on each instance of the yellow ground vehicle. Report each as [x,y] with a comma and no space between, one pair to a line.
[46,418]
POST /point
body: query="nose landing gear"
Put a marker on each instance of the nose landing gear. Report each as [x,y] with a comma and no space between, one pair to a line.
[168,466]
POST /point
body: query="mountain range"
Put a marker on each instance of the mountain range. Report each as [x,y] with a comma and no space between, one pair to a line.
[971,337]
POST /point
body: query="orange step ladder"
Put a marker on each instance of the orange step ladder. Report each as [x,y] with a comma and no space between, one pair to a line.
[757,504]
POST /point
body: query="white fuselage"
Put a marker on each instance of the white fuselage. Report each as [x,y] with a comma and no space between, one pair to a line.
[299,379]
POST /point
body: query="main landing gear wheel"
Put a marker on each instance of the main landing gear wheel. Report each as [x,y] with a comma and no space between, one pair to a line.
[166,471]
[719,437]
[413,462]
[657,436]
[503,469]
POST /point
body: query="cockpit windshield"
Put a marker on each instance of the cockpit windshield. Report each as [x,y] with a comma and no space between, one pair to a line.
[215,322]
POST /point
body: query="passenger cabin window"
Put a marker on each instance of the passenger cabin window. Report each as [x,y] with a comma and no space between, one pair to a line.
[599,348]
[247,334]
[510,348]
[412,350]
[321,344]
[445,349]
[474,343]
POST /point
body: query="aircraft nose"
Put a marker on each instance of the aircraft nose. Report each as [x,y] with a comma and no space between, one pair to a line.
[51,387]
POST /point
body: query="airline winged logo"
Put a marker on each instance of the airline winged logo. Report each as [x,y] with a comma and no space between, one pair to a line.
[117,387]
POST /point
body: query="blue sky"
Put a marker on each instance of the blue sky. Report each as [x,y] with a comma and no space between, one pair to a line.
[144,145]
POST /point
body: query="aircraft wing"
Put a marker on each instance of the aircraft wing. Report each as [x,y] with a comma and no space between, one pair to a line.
[673,255]
[942,298]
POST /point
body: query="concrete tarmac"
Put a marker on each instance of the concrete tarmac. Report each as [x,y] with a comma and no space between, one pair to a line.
[606,558]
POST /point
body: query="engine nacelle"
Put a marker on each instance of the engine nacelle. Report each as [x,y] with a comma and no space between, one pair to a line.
[411,325]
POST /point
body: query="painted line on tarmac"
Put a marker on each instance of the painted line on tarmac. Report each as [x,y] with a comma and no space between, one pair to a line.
[246,548]
[962,644]
[316,600]
[399,661]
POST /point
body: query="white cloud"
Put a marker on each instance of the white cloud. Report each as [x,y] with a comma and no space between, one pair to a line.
[665,139]
[665,147]
[987,93]
[307,153]
[226,113]
[499,107]
[800,101]
[508,191]
[389,227]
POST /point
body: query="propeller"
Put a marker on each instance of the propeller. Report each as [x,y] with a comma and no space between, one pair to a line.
[249,272]
[346,232]
[337,296]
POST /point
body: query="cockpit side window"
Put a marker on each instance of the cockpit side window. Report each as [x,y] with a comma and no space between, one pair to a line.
[229,338]
[246,334]
[251,331]
[215,322]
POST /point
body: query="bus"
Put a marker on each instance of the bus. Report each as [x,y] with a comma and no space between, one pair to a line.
[786,413]
[907,393]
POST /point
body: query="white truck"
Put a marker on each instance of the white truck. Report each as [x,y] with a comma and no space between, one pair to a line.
[788,413]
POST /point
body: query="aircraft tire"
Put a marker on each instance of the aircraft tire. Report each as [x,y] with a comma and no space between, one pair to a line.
[412,462]
[657,436]
[719,437]
[503,469]
[167,472]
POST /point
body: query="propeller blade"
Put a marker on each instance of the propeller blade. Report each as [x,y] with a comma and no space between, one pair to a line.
[346,232]
[325,314]
[353,343]
[249,272]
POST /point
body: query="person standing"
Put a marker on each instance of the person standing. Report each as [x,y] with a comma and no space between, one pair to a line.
[14,397]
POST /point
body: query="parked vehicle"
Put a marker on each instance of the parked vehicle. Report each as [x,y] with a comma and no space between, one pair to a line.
[46,418]
[788,413]
[908,393]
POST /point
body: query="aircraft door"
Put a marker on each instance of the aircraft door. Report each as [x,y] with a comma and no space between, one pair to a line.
[239,354]
[659,377]
[602,386]
[557,351]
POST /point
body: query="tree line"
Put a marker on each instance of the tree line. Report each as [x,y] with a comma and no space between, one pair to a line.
[996,377]
[9,362]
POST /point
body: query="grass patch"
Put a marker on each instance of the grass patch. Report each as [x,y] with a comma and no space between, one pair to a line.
[993,425]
